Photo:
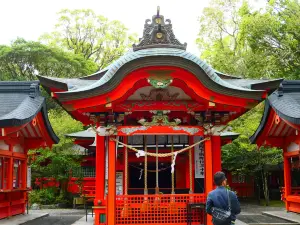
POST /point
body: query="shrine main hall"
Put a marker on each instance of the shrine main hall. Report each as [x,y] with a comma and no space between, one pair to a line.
[159,116]
[157,104]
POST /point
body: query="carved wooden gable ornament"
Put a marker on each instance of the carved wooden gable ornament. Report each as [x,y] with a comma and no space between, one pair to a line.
[158,33]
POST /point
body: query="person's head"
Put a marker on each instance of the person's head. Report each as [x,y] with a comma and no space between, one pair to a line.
[220,179]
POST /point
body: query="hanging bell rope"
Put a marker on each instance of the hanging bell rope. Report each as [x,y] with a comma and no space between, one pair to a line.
[172,159]
[157,185]
[145,166]
[126,169]
[191,172]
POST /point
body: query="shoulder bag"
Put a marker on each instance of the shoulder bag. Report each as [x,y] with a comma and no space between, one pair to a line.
[221,216]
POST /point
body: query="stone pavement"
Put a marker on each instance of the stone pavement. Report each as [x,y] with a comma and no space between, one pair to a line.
[21,219]
[294,217]
[82,221]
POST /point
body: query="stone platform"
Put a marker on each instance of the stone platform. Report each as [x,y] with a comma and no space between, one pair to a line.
[21,219]
[294,217]
[82,221]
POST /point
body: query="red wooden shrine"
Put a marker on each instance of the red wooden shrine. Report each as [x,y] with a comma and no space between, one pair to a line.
[280,127]
[85,143]
[158,99]
[24,125]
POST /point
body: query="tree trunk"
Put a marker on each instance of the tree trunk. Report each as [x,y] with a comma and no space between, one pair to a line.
[257,188]
[265,186]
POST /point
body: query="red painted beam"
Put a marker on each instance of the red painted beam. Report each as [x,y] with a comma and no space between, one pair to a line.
[142,74]
[160,130]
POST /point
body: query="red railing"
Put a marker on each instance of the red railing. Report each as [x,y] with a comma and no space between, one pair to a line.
[294,191]
[158,209]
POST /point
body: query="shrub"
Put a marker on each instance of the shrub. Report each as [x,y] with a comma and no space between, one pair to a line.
[43,196]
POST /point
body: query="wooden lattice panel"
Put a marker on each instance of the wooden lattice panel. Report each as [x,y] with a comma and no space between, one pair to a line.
[157,209]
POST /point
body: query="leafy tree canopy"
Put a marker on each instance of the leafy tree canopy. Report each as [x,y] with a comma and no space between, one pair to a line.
[23,60]
[59,161]
[92,36]
[264,43]
[236,39]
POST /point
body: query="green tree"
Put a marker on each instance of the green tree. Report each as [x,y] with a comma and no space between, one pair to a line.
[23,60]
[242,157]
[92,36]
[236,39]
[275,35]
[62,159]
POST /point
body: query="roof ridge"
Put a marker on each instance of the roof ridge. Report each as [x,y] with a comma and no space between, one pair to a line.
[289,86]
[30,87]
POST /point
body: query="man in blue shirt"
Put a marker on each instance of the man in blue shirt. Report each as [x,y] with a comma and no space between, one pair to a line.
[219,198]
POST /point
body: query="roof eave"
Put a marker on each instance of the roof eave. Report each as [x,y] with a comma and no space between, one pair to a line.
[262,124]
[51,83]
[268,85]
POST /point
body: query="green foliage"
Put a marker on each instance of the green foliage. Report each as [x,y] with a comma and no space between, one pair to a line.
[89,35]
[23,60]
[61,160]
[275,34]
[45,196]
[264,43]
[242,157]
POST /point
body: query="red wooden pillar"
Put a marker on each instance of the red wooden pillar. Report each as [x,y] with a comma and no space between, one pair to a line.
[216,154]
[191,142]
[287,177]
[111,196]
[100,177]
[208,172]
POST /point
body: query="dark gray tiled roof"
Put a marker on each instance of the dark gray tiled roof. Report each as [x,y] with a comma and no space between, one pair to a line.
[285,102]
[255,84]
[86,134]
[113,74]
[20,102]
[228,134]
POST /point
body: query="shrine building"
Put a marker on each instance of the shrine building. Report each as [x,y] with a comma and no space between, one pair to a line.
[158,114]
[24,125]
[280,127]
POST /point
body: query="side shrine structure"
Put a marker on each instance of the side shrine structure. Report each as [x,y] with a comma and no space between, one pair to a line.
[166,106]
[280,127]
[24,125]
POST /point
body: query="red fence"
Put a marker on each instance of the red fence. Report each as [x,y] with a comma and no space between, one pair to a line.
[158,209]
[294,191]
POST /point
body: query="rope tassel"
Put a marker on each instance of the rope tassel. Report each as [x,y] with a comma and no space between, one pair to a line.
[140,153]
[173,162]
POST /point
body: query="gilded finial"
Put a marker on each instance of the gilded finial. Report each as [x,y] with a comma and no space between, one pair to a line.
[158,9]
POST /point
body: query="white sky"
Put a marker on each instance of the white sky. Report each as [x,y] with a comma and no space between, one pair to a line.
[31,18]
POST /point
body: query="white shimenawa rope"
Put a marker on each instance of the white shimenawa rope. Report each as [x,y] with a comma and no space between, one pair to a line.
[140,153]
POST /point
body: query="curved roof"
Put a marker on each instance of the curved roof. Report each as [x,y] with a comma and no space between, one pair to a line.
[79,88]
[20,103]
[285,102]
[157,47]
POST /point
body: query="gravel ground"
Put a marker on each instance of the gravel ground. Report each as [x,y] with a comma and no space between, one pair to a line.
[248,209]
[58,217]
